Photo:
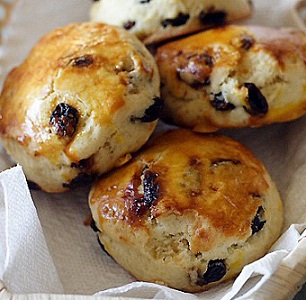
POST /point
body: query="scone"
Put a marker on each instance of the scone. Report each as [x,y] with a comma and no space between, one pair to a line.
[158,20]
[189,211]
[233,77]
[85,98]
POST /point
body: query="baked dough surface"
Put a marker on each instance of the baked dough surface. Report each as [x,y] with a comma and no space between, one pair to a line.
[85,98]
[154,21]
[233,77]
[189,211]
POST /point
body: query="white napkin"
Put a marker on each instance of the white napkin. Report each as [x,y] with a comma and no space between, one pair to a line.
[25,262]
[81,265]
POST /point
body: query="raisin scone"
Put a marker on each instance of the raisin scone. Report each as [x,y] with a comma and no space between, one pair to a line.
[86,97]
[233,77]
[158,20]
[189,211]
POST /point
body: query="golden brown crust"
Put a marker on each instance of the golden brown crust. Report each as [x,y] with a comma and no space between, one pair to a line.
[281,42]
[81,81]
[189,211]
[188,172]
[53,63]
[233,77]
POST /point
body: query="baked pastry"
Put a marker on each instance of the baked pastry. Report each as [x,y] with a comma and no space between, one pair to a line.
[189,211]
[158,20]
[84,99]
[233,77]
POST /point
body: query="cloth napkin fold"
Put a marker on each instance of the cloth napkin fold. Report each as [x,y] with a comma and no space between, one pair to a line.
[26,265]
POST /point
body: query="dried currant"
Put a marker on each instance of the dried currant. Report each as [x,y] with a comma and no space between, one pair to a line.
[150,188]
[64,119]
[144,1]
[257,101]
[81,180]
[152,113]
[83,165]
[216,270]
[150,192]
[129,25]
[213,16]
[82,61]
[209,60]
[180,20]
[247,42]
[258,222]
[195,69]
[220,103]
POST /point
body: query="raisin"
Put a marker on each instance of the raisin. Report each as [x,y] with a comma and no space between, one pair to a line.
[81,180]
[258,223]
[213,16]
[209,60]
[247,42]
[195,69]
[150,188]
[150,192]
[220,103]
[257,101]
[180,20]
[74,165]
[144,1]
[129,25]
[216,270]
[64,119]
[152,113]
[82,61]
[83,164]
